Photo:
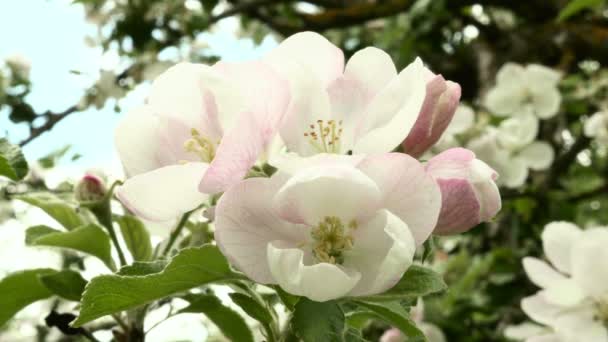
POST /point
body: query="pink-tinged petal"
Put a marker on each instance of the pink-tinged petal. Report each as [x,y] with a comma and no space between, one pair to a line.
[383,250]
[319,282]
[408,190]
[267,97]
[172,133]
[164,193]
[540,273]
[437,111]
[137,141]
[459,208]
[392,112]
[245,224]
[469,193]
[178,93]
[338,190]
[311,50]
[371,67]
[392,335]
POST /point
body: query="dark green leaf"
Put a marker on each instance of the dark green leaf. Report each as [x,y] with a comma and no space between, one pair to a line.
[230,323]
[90,239]
[252,307]
[140,268]
[190,268]
[576,6]
[67,284]
[136,237]
[417,282]
[12,161]
[20,289]
[288,299]
[396,315]
[314,321]
[60,210]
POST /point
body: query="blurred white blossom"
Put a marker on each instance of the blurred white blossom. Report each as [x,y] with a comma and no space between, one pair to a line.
[19,65]
[525,90]
[597,127]
[573,300]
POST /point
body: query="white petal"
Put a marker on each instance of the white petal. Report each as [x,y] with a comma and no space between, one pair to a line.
[517,131]
[164,193]
[539,309]
[513,172]
[409,191]
[548,337]
[588,256]
[314,52]
[245,224]
[538,155]
[371,67]
[392,113]
[291,163]
[524,330]
[540,273]
[546,101]
[136,139]
[558,239]
[580,325]
[463,119]
[383,250]
[328,190]
[540,76]
[320,282]
[511,73]
[566,293]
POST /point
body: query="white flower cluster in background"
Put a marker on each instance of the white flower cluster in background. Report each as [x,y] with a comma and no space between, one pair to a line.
[596,127]
[572,303]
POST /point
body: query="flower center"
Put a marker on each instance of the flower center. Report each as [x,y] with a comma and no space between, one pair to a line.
[331,239]
[200,146]
[325,136]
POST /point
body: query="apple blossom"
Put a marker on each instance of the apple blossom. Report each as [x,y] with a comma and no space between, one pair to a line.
[362,107]
[332,229]
[19,64]
[469,194]
[200,131]
[511,149]
[573,298]
[597,127]
[525,90]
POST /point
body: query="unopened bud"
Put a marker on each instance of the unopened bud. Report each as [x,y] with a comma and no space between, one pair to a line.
[90,188]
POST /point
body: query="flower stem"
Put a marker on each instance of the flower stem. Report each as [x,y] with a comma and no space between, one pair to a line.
[103,211]
[175,233]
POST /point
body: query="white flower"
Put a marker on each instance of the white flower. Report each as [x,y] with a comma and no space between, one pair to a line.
[463,120]
[597,127]
[573,299]
[511,150]
[525,90]
[340,227]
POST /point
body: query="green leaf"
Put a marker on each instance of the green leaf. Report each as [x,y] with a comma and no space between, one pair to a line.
[576,6]
[288,299]
[55,207]
[90,239]
[12,161]
[252,307]
[136,237]
[417,282]
[66,284]
[230,323]
[396,315]
[190,268]
[141,268]
[21,289]
[52,158]
[313,321]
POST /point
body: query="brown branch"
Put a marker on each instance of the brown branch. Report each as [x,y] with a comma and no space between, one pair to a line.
[602,190]
[52,120]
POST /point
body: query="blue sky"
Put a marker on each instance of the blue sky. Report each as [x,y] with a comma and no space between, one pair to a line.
[50,33]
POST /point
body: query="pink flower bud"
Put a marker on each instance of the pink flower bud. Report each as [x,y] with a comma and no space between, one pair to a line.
[392,335]
[468,189]
[436,114]
[90,188]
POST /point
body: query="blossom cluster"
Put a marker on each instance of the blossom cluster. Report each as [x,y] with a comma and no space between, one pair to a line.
[572,304]
[340,213]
